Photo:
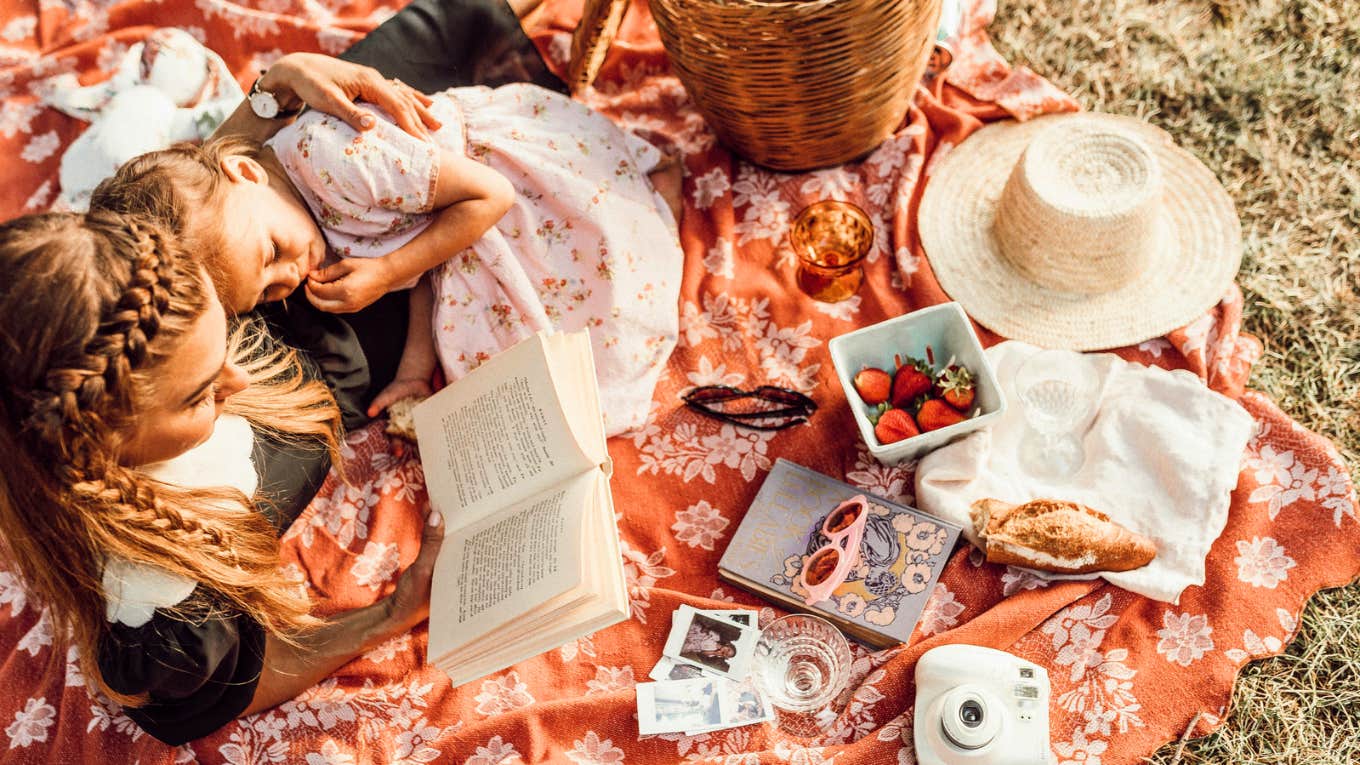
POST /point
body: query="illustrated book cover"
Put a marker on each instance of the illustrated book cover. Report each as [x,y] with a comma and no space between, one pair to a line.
[901,556]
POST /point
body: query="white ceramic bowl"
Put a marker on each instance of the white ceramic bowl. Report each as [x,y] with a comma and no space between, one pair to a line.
[946,329]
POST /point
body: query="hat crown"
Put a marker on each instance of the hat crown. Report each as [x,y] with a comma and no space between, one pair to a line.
[1081,209]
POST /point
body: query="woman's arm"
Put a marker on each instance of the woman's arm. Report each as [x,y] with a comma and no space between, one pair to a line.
[469,199]
[291,669]
[333,86]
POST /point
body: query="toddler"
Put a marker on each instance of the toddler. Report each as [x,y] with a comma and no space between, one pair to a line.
[524,211]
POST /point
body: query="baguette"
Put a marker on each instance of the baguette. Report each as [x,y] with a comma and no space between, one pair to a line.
[599,25]
[1058,536]
[401,420]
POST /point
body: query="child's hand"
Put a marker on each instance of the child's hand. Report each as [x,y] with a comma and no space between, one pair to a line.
[397,390]
[349,285]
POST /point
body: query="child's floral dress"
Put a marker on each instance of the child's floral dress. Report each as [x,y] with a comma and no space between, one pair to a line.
[587,244]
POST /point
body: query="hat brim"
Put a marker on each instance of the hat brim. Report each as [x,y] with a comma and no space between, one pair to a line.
[1188,274]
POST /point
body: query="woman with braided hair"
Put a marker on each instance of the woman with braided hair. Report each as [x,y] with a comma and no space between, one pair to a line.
[123,404]
[117,399]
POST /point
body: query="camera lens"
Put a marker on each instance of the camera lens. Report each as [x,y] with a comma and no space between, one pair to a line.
[970,717]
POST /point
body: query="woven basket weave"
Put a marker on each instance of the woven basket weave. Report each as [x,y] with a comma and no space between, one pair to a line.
[799,84]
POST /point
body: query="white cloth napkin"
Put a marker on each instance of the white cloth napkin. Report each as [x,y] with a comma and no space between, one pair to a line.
[1163,454]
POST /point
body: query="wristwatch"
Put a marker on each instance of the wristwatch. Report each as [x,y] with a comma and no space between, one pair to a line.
[266,104]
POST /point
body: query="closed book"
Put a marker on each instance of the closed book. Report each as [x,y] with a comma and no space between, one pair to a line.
[900,557]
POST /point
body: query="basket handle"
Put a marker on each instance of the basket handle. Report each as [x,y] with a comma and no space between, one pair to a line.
[600,21]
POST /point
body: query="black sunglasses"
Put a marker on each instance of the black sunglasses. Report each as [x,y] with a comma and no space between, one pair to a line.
[711,401]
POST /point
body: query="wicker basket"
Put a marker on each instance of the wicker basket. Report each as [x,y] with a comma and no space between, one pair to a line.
[799,84]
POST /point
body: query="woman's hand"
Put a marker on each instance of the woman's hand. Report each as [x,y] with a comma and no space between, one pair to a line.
[331,85]
[291,667]
[409,603]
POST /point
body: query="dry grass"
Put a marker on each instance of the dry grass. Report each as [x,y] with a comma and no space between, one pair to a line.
[1267,93]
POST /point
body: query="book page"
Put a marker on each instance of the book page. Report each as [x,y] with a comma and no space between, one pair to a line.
[603,589]
[599,601]
[509,564]
[497,436]
[579,389]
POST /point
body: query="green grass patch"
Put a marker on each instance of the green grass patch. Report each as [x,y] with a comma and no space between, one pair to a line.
[1267,94]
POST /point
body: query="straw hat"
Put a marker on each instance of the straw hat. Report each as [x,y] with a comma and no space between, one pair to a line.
[1080,231]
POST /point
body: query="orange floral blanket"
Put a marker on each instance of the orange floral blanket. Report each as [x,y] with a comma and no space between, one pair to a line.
[1128,673]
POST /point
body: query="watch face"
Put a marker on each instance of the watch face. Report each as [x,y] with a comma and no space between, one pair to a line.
[264,105]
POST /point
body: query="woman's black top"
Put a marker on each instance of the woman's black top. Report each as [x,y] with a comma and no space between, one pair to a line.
[200,666]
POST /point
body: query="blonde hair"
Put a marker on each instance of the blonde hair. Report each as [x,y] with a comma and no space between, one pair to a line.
[179,187]
[280,400]
[92,306]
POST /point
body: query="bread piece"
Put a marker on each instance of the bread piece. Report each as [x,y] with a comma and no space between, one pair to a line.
[1058,536]
[401,418]
[600,20]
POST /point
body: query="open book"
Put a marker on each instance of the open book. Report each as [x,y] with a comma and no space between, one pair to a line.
[515,459]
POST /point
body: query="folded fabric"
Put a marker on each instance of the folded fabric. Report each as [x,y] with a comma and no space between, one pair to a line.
[1163,454]
[167,88]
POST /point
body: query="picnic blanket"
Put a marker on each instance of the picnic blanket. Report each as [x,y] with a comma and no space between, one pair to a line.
[1128,673]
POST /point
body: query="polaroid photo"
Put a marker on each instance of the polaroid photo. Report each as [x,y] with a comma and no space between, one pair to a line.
[742,704]
[748,705]
[742,616]
[670,669]
[679,705]
[716,644]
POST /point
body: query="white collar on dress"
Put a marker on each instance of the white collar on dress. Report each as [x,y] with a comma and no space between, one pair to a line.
[133,591]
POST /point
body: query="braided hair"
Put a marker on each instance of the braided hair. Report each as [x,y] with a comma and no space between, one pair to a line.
[92,306]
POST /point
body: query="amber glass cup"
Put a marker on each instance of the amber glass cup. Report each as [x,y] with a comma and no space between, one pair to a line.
[831,239]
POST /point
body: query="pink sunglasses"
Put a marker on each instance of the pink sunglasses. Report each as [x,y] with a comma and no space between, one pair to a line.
[825,568]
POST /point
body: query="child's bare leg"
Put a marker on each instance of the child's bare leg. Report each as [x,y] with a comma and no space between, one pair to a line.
[668,178]
[418,360]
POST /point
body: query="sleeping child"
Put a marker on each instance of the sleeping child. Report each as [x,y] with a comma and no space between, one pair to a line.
[525,211]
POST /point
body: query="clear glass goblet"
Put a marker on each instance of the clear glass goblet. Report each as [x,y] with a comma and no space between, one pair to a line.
[802,663]
[1057,391]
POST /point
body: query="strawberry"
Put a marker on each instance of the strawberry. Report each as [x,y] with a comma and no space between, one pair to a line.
[895,425]
[872,385]
[935,414]
[955,385]
[911,380]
